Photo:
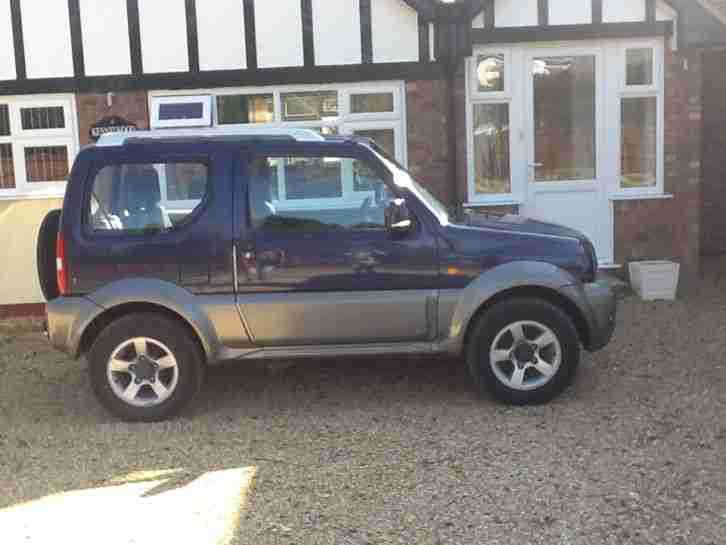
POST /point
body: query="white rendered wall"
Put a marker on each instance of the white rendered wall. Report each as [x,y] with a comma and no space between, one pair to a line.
[278,28]
[163,26]
[7,59]
[509,13]
[336,32]
[621,11]
[221,36]
[47,38]
[395,31]
[105,29]
[570,12]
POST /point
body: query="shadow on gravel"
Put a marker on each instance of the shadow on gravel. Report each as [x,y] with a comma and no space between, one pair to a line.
[356,382]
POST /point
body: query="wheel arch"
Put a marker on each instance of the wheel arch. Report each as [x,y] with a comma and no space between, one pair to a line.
[524,279]
[550,295]
[149,295]
[107,316]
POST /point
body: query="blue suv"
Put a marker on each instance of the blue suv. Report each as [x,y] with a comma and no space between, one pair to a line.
[176,250]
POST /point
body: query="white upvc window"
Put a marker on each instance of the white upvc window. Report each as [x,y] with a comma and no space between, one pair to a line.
[181,111]
[493,114]
[38,143]
[630,100]
[640,118]
[375,110]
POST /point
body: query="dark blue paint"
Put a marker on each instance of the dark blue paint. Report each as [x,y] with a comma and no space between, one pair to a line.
[198,256]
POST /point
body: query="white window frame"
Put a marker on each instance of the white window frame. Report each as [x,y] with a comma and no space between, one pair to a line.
[657,91]
[609,149]
[21,139]
[158,102]
[345,123]
[491,96]
[512,97]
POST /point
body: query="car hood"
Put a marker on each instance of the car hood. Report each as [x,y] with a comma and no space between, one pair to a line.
[519,224]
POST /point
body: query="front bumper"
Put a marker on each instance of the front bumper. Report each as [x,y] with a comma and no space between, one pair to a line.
[598,303]
[67,319]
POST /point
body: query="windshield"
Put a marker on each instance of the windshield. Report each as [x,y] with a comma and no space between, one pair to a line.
[403,178]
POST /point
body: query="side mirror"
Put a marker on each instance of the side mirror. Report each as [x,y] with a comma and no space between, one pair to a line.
[398,218]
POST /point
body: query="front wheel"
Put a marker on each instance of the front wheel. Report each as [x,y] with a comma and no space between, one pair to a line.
[145,367]
[523,351]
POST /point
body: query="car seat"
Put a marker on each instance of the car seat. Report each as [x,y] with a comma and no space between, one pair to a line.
[143,202]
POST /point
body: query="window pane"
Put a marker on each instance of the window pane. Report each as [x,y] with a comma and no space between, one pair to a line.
[311,185]
[490,73]
[309,106]
[491,149]
[7,167]
[130,199]
[639,66]
[313,177]
[385,138]
[236,109]
[371,103]
[187,110]
[185,181]
[42,118]
[4,120]
[639,142]
[564,112]
[46,164]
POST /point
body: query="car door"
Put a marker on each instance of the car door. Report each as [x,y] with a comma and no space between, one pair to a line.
[316,264]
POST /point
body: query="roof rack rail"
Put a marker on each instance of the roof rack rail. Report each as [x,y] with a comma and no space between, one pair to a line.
[299,135]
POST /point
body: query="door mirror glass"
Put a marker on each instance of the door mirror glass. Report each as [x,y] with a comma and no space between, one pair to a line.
[398,218]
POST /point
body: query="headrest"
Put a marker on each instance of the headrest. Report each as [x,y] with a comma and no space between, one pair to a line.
[142,188]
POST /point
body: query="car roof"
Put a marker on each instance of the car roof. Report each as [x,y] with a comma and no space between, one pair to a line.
[217,134]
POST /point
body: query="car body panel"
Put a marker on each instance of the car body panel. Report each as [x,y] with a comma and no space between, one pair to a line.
[334,287]
[293,319]
[213,317]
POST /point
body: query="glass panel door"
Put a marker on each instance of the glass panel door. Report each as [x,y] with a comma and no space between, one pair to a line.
[564,118]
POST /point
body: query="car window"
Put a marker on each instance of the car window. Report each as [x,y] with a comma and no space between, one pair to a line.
[142,198]
[314,193]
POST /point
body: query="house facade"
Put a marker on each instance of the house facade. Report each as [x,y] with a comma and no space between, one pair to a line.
[589,113]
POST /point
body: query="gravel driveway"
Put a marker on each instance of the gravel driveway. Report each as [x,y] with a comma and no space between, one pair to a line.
[382,451]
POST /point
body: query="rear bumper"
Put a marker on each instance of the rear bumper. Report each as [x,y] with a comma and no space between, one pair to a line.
[67,319]
[598,303]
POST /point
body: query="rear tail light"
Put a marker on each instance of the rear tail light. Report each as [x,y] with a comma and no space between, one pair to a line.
[61,265]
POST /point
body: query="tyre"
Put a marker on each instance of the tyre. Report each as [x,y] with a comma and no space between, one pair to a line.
[523,351]
[45,254]
[145,367]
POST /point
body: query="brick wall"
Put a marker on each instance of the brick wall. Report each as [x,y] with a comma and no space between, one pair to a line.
[92,107]
[671,228]
[427,109]
[714,159]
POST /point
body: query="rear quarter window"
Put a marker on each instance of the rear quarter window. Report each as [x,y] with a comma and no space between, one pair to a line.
[145,198]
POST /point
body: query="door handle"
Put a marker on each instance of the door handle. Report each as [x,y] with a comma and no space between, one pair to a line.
[536,165]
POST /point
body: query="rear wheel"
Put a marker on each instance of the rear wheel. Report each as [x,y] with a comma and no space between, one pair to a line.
[523,351]
[145,367]
[45,255]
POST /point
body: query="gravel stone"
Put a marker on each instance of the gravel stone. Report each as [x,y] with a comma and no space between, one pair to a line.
[401,450]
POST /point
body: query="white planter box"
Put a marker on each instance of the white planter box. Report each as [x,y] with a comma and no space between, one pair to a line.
[654,280]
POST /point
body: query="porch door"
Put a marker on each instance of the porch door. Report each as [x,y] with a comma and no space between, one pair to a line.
[564,125]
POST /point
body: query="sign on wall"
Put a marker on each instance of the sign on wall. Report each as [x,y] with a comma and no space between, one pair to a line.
[110,124]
